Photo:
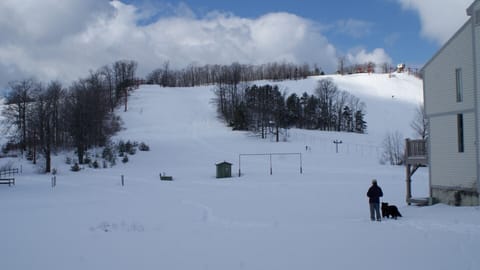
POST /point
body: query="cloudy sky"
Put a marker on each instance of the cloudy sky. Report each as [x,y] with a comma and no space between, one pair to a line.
[65,39]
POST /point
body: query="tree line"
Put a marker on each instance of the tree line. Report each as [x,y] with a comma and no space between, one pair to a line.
[264,109]
[194,75]
[46,117]
[43,118]
[234,73]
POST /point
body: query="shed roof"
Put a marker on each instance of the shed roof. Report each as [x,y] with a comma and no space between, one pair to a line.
[222,163]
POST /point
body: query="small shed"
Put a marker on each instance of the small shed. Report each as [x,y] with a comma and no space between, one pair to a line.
[224,169]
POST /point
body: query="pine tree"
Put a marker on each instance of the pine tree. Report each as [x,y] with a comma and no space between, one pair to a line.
[360,124]
[294,110]
[347,120]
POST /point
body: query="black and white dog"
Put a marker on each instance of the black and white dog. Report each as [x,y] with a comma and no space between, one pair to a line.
[390,211]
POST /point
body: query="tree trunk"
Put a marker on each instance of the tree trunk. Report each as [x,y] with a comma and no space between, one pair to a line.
[48,160]
[126,97]
[80,153]
[34,148]
[277,133]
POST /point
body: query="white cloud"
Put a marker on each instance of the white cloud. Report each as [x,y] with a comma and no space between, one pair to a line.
[354,28]
[53,40]
[47,20]
[439,19]
[361,56]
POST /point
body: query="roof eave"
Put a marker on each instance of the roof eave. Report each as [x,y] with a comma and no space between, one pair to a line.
[470,8]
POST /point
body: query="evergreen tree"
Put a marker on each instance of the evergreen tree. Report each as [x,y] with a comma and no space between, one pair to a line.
[240,118]
[294,111]
[360,124]
[347,120]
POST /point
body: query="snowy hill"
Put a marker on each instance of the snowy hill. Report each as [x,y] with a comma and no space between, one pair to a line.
[387,98]
[196,133]
[317,219]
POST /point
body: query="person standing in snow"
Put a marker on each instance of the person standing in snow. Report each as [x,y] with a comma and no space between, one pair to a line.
[374,193]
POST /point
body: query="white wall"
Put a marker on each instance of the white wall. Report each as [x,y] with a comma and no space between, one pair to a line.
[448,167]
[440,95]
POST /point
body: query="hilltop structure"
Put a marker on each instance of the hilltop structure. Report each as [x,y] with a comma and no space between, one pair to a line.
[452,100]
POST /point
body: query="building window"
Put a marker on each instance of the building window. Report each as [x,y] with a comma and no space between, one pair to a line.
[459,84]
[460,133]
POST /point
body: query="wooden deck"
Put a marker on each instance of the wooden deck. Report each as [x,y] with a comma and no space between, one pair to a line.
[416,156]
[416,152]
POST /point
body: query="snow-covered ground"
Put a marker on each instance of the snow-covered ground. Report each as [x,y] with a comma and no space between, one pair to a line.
[315,220]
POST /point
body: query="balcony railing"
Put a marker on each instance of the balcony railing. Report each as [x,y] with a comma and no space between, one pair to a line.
[416,152]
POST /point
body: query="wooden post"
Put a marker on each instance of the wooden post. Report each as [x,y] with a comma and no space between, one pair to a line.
[409,183]
[337,142]
[239,172]
[301,170]
[123,181]
[271,171]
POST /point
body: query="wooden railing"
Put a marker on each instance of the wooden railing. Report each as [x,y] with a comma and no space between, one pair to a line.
[8,172]
[416,151]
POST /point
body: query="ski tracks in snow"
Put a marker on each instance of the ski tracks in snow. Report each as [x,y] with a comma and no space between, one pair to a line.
[208,216]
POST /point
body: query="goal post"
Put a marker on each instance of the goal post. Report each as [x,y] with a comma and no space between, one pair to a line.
[270,155]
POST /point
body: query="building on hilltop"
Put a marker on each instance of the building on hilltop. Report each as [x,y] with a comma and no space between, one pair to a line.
[452,100]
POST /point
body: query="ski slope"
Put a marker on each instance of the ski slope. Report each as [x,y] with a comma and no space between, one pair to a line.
[315,220]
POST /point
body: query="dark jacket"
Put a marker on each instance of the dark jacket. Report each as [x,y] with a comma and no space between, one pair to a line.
[374,193]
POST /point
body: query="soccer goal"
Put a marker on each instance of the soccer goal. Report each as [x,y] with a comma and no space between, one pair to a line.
[269,156]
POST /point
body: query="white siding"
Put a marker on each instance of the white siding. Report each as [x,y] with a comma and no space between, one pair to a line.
[453,175]
[439,76]
[449,168]
[476,38]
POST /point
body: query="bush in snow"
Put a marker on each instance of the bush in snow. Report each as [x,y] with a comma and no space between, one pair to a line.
[125,159]
[143,147]
[95,164]
[75,167]
[121,148]
[87,159]
[130,148]
[108,154]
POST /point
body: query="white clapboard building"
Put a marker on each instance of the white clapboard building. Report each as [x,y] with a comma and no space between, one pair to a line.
[452,105]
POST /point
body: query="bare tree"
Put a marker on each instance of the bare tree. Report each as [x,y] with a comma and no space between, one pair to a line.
[420,122]
[124,78]
[393,148]
[340,104]
[327,93]
[109,83]
[16,112]
[341,64]
[44,119]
